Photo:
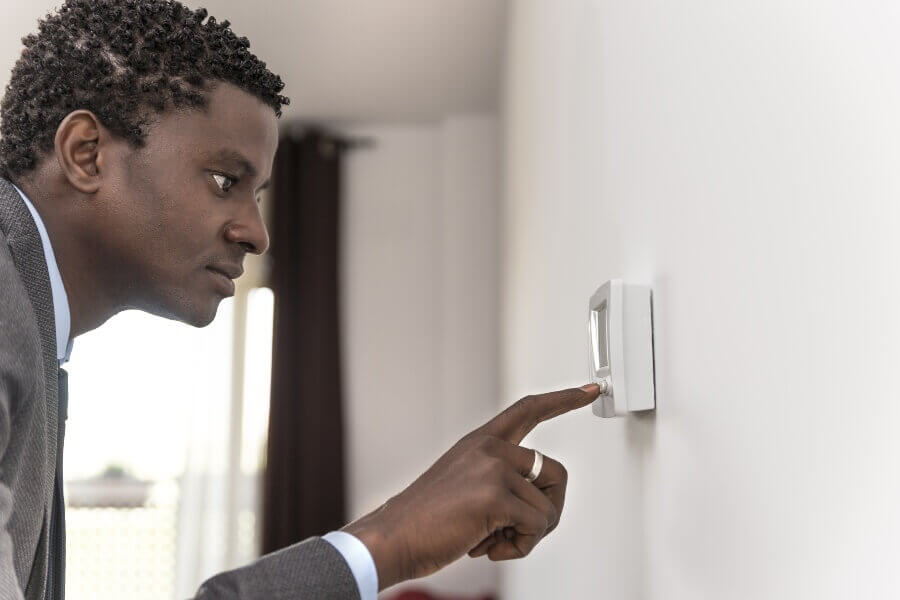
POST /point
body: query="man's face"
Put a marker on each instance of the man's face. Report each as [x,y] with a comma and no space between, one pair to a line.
[183,210]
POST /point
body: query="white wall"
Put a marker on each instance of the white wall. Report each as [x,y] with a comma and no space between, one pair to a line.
[420,289]
[17,19]
[744,159]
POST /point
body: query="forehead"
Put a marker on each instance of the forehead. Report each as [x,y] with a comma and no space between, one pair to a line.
[232,121]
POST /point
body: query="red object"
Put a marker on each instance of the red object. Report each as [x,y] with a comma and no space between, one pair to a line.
[423,595]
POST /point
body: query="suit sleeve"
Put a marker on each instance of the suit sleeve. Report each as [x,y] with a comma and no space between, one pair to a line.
[312,568]
[360,561]
[9,584]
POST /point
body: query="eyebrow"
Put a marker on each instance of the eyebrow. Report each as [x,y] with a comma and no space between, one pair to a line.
[239,159]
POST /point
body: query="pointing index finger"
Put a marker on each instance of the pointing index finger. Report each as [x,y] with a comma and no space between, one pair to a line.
[518,420]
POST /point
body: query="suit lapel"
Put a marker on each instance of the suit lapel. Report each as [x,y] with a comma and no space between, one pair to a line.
[27,252]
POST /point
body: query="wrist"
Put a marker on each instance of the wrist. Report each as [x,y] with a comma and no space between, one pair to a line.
[381,539]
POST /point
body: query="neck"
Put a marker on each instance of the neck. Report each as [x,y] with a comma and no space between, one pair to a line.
[92,300]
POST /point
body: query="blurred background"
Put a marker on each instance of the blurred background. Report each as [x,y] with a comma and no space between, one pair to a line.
[455,179]
[389,338]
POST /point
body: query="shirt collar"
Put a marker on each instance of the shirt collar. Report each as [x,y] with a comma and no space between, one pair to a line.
[60,299]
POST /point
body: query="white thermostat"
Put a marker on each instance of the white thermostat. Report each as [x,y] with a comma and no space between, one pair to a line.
[620,324]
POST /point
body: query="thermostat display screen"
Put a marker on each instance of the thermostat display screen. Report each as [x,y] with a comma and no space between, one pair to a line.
[620,351]
[599,337]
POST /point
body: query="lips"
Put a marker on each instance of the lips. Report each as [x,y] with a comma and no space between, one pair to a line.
[229,271]
[223,279]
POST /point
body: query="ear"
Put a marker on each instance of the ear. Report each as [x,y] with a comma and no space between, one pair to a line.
[78,143]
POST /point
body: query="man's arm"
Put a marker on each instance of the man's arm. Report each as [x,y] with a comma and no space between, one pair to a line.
[311,569]
[474,500]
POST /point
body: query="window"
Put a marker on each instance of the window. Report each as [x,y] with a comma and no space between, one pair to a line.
[164,449]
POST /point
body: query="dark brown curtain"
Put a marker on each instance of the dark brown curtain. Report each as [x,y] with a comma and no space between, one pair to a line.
[304,478]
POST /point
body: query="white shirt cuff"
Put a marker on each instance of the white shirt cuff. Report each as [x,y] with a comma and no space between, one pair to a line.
[361,563]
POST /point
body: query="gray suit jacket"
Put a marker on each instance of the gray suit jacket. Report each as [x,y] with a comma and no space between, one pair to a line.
[28,444]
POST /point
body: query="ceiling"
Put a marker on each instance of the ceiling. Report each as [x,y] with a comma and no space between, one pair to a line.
[383,60]
[350,60]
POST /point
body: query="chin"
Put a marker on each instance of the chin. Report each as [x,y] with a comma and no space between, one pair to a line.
[199,315]
[200,320]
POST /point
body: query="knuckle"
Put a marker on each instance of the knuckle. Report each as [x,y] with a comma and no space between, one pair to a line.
[469,436]
[552,518]
[495,468]
[526,402]
[487,445]
[526,549]
[475,438]
[481,444]
[498,494]
[548,521]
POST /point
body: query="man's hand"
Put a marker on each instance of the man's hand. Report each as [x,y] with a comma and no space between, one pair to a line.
[475,498]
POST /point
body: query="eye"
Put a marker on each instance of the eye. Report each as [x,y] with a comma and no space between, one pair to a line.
[224,181]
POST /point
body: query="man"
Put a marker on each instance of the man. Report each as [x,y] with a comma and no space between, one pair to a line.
[136,137]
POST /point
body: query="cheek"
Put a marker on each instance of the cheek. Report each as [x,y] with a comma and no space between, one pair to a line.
[174,224]
[161,245]
[181,216]
[188,237]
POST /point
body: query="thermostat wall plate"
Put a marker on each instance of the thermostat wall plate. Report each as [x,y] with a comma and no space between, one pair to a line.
[620,325]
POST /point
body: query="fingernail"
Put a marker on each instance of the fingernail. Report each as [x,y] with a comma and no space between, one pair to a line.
[591,387]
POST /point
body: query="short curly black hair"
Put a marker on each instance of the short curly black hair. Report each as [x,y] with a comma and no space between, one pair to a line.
[126,61]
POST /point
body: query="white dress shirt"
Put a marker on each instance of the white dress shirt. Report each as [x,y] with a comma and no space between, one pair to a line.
[60,299]
[358,557]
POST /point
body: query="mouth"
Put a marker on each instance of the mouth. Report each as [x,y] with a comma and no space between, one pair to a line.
[223,280]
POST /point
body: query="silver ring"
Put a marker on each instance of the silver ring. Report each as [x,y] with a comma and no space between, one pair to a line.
[536,467]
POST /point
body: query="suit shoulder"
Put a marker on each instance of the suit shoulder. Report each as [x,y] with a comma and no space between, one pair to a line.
[19,333]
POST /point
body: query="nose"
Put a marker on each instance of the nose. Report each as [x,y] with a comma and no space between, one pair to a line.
[248,231]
